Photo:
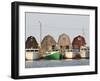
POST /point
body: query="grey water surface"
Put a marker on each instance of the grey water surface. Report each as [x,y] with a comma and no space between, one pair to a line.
[56,63]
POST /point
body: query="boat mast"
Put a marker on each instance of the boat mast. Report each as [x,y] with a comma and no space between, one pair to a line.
[83,33]
[40,32]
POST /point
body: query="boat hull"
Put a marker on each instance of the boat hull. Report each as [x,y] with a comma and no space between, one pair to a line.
[54,56]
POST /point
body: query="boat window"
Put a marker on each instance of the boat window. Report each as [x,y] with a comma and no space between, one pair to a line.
[36,50]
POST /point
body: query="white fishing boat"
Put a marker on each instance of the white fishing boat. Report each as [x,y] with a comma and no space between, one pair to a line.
[84,52]
[69,54]
[32,54]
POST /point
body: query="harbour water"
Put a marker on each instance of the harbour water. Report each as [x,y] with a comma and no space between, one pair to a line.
[56,63]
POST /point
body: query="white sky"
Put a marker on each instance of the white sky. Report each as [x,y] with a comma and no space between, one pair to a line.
[56,24]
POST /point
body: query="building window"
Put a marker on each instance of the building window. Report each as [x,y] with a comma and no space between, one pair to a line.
[67,47]
[60,46]
[53,47]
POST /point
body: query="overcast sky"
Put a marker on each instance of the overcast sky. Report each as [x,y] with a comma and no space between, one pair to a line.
[56,24]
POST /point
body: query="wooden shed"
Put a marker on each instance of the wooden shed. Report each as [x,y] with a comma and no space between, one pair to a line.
[78,42]
[48,43]
[31,43]
[64,41]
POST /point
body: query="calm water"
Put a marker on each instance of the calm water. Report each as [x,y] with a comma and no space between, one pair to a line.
[56,63]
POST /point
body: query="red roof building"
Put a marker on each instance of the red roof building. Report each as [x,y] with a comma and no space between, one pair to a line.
[78,42]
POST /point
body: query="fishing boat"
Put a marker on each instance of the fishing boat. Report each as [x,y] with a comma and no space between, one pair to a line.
[53,56]
[32,54]
[84,52]
[68,54]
